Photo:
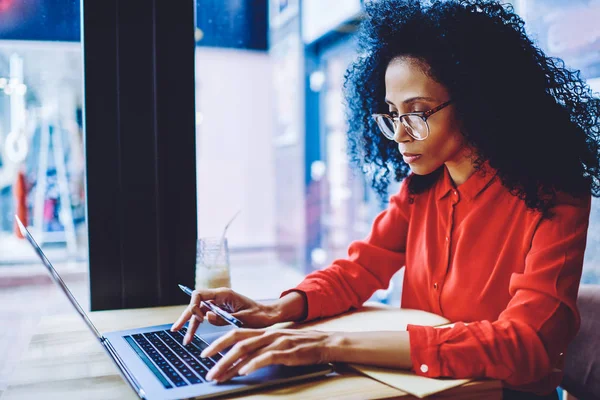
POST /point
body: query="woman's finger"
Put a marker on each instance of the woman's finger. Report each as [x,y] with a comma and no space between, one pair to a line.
[190,310]
[194,308]
[203,308]
[183,318]
[241,350]
[192,327]
[234,371]
[267,358]
[215,320]
[228,340]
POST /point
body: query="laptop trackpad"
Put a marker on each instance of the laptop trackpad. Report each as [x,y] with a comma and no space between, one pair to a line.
[210,332]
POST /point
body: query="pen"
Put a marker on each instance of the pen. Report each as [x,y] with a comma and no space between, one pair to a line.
[221,313]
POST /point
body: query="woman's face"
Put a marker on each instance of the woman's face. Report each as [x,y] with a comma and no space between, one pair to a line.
[409,89]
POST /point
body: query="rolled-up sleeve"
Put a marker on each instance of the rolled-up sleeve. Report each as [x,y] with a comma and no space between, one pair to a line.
[525,344]
[371,263]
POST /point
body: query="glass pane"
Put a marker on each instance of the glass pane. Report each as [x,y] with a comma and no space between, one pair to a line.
[569,30]
[236,163]
[301,201]
[349,205]
[41,165]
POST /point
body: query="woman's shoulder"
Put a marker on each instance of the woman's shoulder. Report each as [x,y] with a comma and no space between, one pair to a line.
[570,205]
[568,199]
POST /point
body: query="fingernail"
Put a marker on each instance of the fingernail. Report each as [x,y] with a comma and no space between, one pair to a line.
[243,370]
[204,354]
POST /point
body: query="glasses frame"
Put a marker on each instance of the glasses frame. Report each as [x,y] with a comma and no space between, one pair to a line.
[424,115]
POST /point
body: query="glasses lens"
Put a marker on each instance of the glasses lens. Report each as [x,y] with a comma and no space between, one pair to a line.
[415,126]
[386,125]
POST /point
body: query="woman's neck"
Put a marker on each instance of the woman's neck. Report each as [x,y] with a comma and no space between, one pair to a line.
[460,169]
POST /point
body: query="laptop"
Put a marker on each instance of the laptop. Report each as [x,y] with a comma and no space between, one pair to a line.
[157,366]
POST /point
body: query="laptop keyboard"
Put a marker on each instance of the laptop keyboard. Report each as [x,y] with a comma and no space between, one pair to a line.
[180,365]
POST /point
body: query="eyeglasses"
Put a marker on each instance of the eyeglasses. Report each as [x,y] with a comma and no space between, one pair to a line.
[415,123]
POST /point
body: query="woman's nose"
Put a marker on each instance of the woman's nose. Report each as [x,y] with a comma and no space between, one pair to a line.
[400,134]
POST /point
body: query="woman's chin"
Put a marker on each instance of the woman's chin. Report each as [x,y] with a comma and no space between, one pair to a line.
[421,169]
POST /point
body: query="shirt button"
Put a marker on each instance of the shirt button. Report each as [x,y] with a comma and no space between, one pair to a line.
[424,368]
[435,286]
[455,192]
[447,238]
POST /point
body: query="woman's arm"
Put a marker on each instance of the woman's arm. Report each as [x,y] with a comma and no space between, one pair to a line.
[525,345]
[370,264]
[382,349]
[256,348]
[290,307]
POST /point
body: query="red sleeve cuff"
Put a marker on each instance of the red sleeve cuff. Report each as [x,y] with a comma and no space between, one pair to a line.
[425,350]
[313,300]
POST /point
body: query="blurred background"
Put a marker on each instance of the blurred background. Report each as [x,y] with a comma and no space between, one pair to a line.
[270,138]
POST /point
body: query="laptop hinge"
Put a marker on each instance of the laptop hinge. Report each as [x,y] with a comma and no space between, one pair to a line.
[122,368]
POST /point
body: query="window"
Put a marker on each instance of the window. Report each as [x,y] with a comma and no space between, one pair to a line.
[569,30]
[41,166]
[248,98]
[41,131]
[270,135]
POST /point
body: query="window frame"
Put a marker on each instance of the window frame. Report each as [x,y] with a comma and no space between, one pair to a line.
[139,118]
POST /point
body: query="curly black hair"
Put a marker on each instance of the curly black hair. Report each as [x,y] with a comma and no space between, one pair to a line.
[535,121]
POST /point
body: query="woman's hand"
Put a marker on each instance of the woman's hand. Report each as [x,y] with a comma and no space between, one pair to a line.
[256,348]
[251,313]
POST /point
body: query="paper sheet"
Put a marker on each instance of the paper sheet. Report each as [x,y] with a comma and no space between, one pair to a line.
[374,317]
[408,381]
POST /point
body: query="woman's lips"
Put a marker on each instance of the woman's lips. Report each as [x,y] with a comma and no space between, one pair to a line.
[409,159]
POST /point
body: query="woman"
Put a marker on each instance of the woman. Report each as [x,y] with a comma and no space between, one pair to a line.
[497,149]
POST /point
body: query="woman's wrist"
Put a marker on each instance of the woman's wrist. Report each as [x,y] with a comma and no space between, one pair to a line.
[291,307]
[384,349]
[337,347]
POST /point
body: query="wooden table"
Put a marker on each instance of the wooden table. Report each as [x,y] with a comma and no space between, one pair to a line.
[64,361]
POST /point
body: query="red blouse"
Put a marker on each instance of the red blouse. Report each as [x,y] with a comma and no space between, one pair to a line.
[477,256]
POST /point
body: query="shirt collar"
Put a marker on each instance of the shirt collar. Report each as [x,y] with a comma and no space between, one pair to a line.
[474,185]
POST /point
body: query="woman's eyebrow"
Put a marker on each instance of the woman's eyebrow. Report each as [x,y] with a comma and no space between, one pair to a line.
[413,100]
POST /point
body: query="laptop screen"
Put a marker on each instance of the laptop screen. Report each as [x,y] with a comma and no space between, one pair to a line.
[56,278]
